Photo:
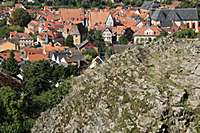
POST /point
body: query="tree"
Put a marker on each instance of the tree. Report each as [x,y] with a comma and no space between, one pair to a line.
[16,28]
[20,17]
[36,77]
[186,33]
[11,64]
[123,39]
[40,76]
[95,37]
[133,2]
[189,3]
[167,2]
[69,41]
[4,32]
[89,54]
[126,37]
[12,117]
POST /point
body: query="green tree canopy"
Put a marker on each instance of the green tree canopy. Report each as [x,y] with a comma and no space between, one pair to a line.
[95,37]
[89,54]
[69,41]
[186,33]
[11,64]
[123,39]
[41,76]
[20,17]
[126,37]
[11,106]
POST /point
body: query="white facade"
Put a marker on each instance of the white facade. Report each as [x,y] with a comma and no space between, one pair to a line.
[107,35]
[110,21]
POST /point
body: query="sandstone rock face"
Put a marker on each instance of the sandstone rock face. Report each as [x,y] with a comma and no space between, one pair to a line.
[152,88]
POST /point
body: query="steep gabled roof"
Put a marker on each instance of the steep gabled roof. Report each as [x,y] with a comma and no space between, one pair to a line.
[172,15]
[98,17]
[141,32]
[74,30]
[187,13]
[175,14]
[150,4]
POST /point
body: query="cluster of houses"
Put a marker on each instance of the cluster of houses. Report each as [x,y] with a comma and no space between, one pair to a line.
[51,27]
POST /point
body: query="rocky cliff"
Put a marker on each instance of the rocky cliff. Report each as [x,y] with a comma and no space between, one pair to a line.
[148,88]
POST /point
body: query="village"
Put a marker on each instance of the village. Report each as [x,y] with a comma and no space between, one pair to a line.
[88,50]
[80,36]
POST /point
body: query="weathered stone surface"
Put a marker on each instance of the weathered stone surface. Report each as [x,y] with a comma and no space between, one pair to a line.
[148,88]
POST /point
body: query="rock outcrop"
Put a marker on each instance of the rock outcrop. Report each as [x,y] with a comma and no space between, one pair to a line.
[148,88]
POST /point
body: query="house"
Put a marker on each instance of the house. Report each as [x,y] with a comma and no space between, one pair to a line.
[74,31]
[22,39]
[6,45]
[36,57]
[102,18]
[50,36]
[85,45]
[54,36]
[4,15]
[180,16]
[148,5]
[70,56]
[33,27]
[95,62]
[52,48]
[34,54]
[118,31]
[146,34]
[72,15]
[107,35]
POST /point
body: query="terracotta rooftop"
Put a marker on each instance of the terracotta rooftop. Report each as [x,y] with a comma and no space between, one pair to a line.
[36,57]
[73,14]
[143,29]
[98,17]
[33,50]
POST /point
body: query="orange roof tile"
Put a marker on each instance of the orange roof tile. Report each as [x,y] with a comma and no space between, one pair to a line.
[33,50]
[50,48]
[74,14]
[98,17]
[119,29]
[141,32]
[36,57]
[6,45]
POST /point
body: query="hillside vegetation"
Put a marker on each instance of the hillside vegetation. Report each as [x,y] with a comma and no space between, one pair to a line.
[149,88]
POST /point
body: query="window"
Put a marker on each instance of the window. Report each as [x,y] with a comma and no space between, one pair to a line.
[188,25]
[149,39]
[193,25]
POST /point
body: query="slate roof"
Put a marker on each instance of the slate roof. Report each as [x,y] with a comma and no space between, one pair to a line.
[83,44]
[167,16]
[150,5]
[70,55]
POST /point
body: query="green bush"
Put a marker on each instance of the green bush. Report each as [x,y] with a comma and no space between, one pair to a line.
[186,33]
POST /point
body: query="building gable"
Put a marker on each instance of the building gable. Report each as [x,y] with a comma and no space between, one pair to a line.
[110,21]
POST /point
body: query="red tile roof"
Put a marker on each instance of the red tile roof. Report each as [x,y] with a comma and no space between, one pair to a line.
[71,15]
[30,51]
[36,57]
[155,31]
[98,17]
